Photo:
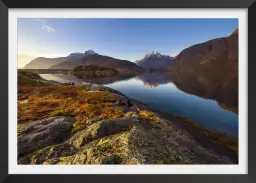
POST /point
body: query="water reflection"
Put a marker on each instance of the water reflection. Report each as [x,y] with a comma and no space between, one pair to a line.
[98,80]
[153,80]
[170,94]
[227,99]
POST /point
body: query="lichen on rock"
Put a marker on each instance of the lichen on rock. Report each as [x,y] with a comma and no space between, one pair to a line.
[41,133]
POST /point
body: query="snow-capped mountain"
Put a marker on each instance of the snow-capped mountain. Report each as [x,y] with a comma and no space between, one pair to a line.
[153,53]
[155,60]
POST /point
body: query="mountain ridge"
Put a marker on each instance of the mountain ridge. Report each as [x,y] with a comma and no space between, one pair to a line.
[97,59]
[154,60]
[89,57]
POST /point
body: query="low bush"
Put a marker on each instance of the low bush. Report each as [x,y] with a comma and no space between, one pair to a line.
[93,71]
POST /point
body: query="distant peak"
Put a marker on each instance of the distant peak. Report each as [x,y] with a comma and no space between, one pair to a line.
[152,53]
[77,54]
[89,52]
[155,53]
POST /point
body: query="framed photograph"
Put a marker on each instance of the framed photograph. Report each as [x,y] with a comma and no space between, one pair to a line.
[131,91]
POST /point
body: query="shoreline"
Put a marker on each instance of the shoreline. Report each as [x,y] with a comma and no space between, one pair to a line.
[213,141]
[202,135]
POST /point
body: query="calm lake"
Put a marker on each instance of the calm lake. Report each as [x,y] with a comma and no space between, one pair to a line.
[158,91]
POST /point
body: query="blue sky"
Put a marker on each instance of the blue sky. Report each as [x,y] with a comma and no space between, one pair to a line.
[128,39]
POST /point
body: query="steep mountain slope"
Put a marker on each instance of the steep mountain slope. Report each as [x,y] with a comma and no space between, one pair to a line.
[210,69]
[155,60]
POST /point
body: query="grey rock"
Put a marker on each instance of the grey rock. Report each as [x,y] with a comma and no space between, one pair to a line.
[54,151]
[99,129]
[113,159]
[41,133]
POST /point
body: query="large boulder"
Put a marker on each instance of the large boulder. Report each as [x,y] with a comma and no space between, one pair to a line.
[38,134]
[98,130]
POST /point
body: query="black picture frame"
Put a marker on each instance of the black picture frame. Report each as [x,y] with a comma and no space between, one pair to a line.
[250,5]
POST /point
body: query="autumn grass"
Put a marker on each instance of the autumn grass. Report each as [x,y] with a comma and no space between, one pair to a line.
[46,100]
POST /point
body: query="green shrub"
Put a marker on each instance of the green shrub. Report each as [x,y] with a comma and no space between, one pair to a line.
[93,71]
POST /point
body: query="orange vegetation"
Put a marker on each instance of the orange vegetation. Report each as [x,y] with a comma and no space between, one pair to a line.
[44,100]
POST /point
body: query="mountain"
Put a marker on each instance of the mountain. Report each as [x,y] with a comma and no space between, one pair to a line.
[75,59]
[45,63]
[155,60]
[93,58]
[210,69]
[80,55]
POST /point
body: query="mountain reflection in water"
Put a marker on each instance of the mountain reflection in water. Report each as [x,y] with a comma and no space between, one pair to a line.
[169,94]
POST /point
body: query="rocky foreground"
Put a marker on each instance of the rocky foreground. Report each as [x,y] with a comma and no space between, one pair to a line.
[93,124]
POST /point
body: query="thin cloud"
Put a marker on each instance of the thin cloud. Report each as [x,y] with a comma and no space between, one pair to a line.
[48,28]
[44,25]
